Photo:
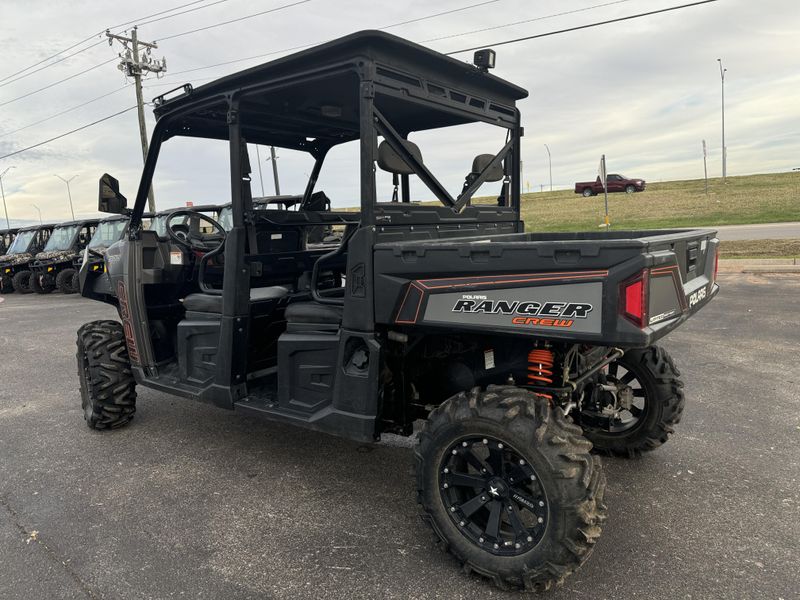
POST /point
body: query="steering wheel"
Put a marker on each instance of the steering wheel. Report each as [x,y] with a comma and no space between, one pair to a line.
[192,240]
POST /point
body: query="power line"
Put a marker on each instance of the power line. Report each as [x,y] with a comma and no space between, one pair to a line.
[47,87]
[522,22]
[258,14]
[549,33]
[177,14]
[273,52]
[99,33]
[58,137]
[47,66]
[63,112]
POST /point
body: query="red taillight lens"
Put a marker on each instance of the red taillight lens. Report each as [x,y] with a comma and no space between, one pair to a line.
[716,264]
[633,299]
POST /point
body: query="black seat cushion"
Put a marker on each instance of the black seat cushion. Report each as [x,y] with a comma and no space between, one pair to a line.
[212,303]
[313,312]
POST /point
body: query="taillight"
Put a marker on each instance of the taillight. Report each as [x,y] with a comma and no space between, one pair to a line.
[633,298]
[716,265]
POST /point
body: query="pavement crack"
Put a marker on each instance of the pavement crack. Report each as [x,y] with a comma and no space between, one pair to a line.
[34,537]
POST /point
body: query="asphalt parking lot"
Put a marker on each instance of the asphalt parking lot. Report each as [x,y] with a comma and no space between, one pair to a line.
[196,502]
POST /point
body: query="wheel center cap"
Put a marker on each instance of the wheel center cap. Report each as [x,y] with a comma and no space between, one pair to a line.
[496,488]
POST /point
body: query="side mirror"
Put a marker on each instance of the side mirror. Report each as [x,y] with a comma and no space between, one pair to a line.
[109,198]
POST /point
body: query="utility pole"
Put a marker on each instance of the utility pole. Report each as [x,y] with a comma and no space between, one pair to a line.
[550,162]
[39,211]
[260,176]
[133,65]
[705,165]
[3,193]
[69,193]
[722,72]
[274,160]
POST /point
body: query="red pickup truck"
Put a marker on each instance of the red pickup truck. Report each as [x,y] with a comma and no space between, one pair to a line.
[616,183]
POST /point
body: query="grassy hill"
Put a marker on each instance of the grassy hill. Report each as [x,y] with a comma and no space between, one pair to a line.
[749,199]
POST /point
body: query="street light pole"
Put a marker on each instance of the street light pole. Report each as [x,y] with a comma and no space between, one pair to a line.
[3,193]
[550,162]
[69,193]
[722,72]
[39,211]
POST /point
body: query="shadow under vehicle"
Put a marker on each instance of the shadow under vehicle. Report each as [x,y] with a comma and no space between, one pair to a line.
[15,264]
[517,351]
[54,267]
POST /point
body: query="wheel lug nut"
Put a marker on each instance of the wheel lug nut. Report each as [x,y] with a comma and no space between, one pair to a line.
[485,441]
[455,451]
[483,498]
[500,445]
[540,519]
[517,545]
[541,502]
[522,462]
[496,546]
[464,444]
[446,470]
[530,539]
[480,540]
[452,509]
[445,486]
[461,523]
[533,477]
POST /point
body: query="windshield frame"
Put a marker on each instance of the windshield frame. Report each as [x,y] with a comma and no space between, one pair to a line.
[70,241]
[18,239]
[102,241]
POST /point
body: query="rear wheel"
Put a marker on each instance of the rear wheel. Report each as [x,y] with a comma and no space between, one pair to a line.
[108,390]
[587,192]
[629,189]
[75,284]
[64,281]
[22,282]
[509,487]
[640,402]
[42,283]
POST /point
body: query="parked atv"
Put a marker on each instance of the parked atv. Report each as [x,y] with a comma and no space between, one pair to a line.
[54,267]
[15,264]
[520,352]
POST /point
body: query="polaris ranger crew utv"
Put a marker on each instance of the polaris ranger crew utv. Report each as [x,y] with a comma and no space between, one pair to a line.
[519,351]
[15,264]
[54,267]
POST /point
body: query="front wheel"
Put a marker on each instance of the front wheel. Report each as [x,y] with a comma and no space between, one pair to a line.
[22,282]
[634,406]
[6,287]
[509,486]
[42,283]
[108,390]
[629,189]
[64,281]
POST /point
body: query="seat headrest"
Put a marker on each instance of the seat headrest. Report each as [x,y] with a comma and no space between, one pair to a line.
[390,161]
[480,163]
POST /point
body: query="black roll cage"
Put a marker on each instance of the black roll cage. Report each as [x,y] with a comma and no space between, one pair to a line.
[374,84]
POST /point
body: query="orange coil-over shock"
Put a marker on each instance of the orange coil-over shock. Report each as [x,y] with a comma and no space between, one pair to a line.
[540,368]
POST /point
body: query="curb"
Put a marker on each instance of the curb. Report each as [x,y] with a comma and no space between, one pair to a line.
[759,265]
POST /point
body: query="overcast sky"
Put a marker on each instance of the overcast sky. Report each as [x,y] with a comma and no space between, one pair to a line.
[645,92]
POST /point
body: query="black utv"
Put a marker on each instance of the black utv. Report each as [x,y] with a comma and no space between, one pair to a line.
[6,239]
[15,264]
[54,267]
[510,354]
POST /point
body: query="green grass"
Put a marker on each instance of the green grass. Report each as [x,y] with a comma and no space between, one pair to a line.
[750,199]
[760,248]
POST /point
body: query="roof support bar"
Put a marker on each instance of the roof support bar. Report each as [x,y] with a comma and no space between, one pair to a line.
[466,195]
[396,142]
